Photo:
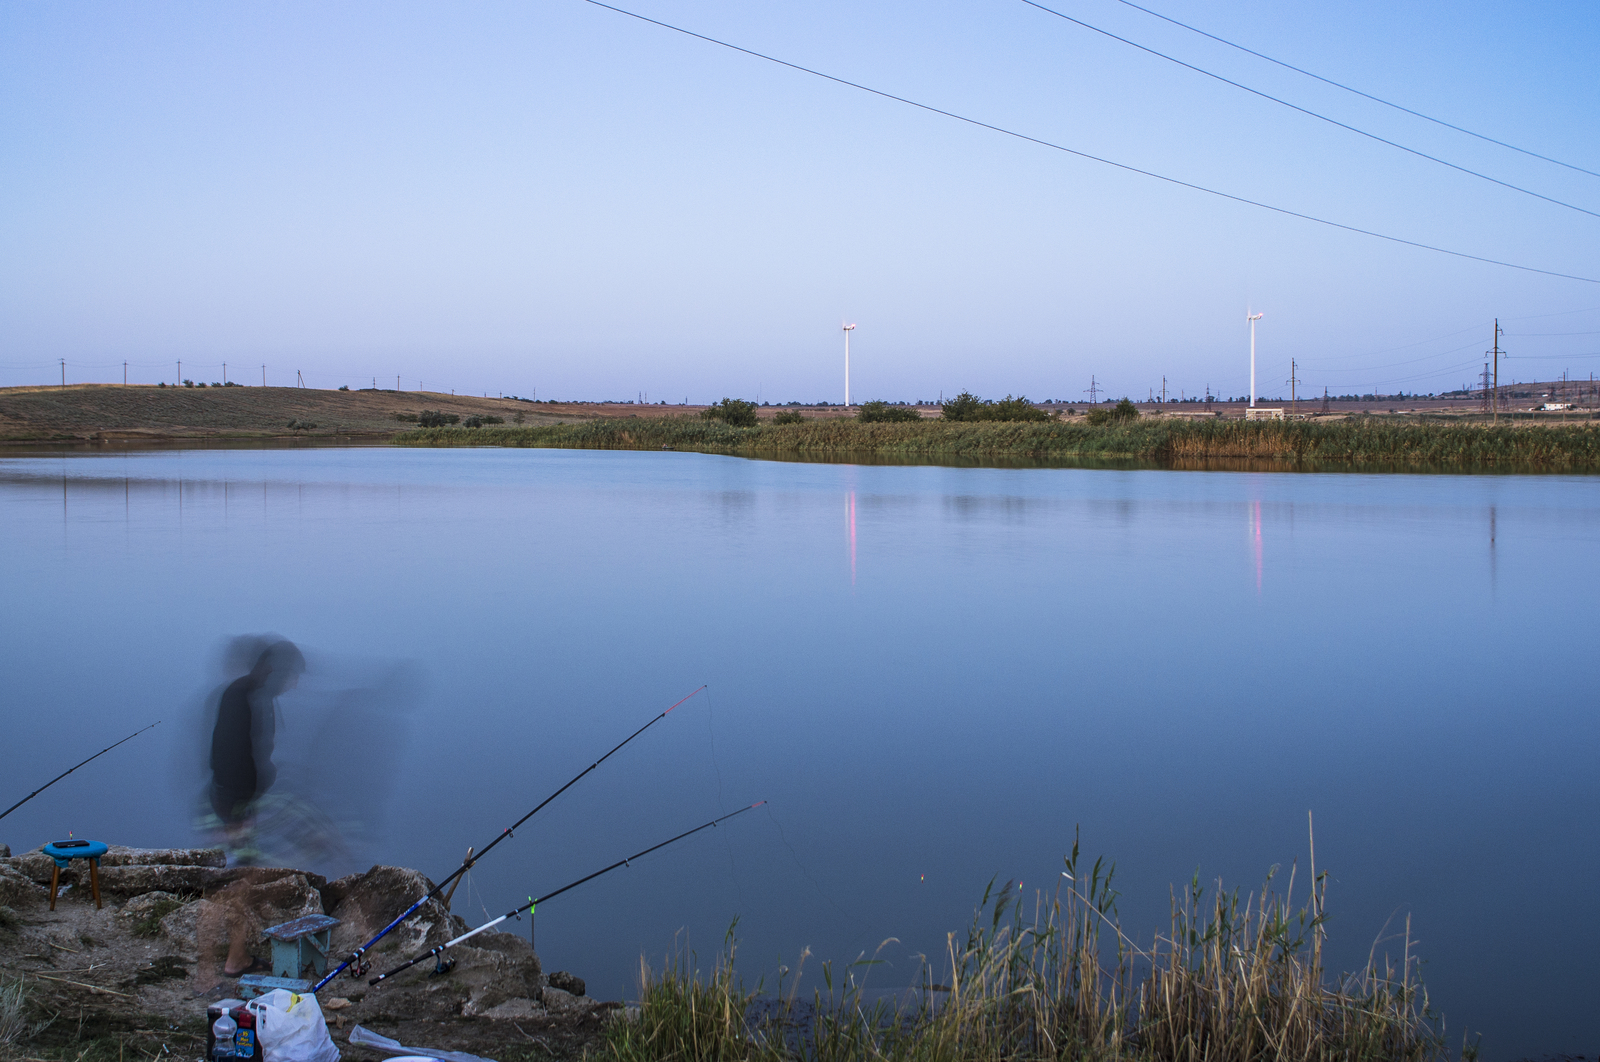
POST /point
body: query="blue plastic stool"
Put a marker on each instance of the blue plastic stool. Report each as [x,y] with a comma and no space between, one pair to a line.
[64,852]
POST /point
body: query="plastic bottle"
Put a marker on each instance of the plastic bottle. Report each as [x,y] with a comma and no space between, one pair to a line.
[222,1031]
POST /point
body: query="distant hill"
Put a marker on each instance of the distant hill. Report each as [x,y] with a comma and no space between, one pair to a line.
[102,412]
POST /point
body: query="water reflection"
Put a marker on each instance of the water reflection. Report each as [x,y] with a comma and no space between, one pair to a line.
[850,531]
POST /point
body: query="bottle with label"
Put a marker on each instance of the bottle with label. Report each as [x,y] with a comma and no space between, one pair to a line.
[222,1032]
[244,1041]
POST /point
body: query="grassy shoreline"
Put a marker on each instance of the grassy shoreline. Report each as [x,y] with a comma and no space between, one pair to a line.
[1235,978]
[1355,441]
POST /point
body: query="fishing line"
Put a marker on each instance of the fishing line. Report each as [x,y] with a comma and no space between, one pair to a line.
[711,735]
[354,960]
[532,905]
[807,874]
[69,770]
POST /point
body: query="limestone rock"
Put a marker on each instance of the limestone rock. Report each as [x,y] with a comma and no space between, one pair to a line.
[17,889]
[365,903]
[121,856]
[567,982]
[500,968]
[513,1009]
[142,907]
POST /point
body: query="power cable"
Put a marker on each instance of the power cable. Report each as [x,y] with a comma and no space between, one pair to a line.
[1358,92]
[1085,155]
[1310,113]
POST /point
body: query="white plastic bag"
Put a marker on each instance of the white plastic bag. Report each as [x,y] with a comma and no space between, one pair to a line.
[290,1028]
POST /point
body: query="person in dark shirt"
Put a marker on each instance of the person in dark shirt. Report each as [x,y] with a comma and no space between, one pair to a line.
[241,741]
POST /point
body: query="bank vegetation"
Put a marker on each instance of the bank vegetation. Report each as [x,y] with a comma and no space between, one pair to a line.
[1367,441]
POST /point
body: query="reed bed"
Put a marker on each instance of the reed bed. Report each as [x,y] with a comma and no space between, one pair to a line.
[1355,441]
[1230,980]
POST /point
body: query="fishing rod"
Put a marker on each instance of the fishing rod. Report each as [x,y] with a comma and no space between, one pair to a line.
[69,770]
[354,961]
[532,904]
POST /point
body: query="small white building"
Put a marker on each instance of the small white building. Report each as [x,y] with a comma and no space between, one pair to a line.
[1263,413]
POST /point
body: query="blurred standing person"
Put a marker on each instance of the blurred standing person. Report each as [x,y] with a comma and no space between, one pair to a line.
[242,739]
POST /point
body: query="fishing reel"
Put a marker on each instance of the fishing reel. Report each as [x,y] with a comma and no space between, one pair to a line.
[358,966]
[442,966]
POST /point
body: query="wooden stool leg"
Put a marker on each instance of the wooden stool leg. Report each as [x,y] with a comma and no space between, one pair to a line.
[94,879]
[55,880]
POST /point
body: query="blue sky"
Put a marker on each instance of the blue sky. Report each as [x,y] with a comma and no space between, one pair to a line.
[548,195]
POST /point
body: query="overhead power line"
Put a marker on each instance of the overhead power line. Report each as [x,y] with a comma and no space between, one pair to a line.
[1311,113]
[1356,91]
[1085,155]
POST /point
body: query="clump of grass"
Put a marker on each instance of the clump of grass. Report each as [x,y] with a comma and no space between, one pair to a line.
[16,1024]
[1230,979]
[684,1018]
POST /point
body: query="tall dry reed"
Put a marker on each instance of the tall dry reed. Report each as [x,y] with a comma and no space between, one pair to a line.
[1231,979]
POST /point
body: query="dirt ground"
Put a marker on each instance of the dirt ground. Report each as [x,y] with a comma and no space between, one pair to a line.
[134,978]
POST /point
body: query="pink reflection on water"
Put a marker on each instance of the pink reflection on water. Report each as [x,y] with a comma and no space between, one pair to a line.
[1255,536]
[850,530]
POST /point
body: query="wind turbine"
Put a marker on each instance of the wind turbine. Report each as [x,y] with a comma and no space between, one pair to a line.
[1252,318]
[847,330]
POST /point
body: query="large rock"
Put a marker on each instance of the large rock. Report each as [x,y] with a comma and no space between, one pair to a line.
[135,870]
[142,908]
[365,903]
[17,889]
[120,856]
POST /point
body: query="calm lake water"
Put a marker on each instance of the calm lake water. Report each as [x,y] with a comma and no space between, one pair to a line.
[933,674]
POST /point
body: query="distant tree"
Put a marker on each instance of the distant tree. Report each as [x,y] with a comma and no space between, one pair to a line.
[1018,408]
[732,411]
[1124,410]
[473,421]
[789,416]
[968,406]
[883,412]
[433,418]
[965,406]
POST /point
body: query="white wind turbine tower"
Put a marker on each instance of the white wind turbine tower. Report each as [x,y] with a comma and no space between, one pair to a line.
[847,330]
[1252,318]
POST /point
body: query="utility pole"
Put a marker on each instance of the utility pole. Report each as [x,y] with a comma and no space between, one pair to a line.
[263,376]
[63,372]
[1093,390]
[180,372]
[1293,380]
[224,372]
[299,380]
[1208,398]
[124,374]
[1163,390]
[1485,404]
[1324,399]
[1253,318]
[847,330]
[1495,400]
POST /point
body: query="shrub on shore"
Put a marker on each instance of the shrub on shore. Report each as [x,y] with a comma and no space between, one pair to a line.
[789,416]
[1122,411]
[884,413]
[732,411]
[969,407]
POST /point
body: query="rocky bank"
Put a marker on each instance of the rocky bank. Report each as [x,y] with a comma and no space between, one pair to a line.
[143,969]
